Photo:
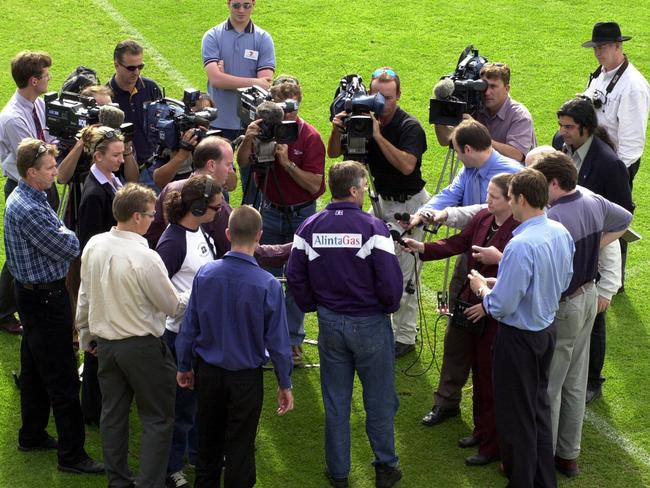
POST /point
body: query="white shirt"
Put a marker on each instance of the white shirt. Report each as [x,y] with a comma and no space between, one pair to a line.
[625,113]
[125,291]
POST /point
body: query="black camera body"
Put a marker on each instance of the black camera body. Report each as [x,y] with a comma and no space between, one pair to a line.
[68,113]
[168,119]
[280,131]
[352,97]
[459,92]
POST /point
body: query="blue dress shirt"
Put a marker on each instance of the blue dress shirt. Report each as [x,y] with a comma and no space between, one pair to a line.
[535,269]
[470,184]
[236,319]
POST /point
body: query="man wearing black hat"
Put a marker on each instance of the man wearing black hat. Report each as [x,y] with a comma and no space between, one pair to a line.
[621,95]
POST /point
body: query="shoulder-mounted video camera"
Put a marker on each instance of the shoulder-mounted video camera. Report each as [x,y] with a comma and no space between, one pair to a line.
[68,113]
[459,92]
[352,97]
[168,119]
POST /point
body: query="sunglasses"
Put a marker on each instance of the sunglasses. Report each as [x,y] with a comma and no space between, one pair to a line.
[42,149]
[245,5]
[109,134]
[139,67]
[383,71]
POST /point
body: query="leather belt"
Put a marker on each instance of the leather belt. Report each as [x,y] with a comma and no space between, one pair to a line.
[581,290]
[290,208]
[43,286]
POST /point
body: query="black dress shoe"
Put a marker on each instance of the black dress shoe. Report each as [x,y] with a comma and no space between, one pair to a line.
[49,443]
[336,482]
[479,459]
[86,466]
[593,395]
[438,414]
[469,441]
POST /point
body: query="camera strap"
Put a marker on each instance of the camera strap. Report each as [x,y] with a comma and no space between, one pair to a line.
[616,78]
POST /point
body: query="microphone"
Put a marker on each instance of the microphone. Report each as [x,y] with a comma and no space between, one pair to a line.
[111,116]
[402,217]
[270,112]
[397,237]
[444,89]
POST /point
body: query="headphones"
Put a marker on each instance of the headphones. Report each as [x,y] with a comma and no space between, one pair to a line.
[200,206]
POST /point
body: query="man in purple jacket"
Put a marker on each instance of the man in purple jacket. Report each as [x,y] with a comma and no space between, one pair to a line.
[343,266]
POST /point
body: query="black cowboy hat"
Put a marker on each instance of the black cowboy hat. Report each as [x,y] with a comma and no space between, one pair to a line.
[605,33]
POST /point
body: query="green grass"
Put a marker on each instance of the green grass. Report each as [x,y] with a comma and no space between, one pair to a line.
[320,41]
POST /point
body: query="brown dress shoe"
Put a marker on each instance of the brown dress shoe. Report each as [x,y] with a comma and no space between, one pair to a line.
[11,326]
[568,467]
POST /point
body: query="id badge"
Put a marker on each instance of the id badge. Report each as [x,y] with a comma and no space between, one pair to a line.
[250,54]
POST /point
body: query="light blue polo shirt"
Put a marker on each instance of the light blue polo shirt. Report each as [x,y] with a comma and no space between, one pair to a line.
[244,54]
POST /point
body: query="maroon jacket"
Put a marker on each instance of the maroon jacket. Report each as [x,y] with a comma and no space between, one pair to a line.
[472,235]
[275,255]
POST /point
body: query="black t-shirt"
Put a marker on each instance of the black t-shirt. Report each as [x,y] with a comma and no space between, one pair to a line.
[405,133]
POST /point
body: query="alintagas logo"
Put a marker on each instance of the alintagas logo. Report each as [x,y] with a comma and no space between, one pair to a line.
[336,240]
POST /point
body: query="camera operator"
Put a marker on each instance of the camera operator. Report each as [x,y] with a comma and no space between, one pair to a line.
[132,91]
[509,122]
[23,116]
[177,165]
[295,181]
[394,158]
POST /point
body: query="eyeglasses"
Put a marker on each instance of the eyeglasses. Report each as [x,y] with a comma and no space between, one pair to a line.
[245,5]
[139,67]
[383,71]
[149,214]
[109,134]
[42,149]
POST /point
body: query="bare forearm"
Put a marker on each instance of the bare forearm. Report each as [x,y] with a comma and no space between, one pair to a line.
[609,237]
[508,150]
[307,180]
[443,134]
[334,144]
[67,167]
[244,152]
[166,173]
[131,169]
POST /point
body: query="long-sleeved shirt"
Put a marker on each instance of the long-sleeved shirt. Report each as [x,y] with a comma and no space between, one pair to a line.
[16,123]
[235,315]
[470,184]
[39,248]
[624,112]
[125,291]
[535,269]
[343,258]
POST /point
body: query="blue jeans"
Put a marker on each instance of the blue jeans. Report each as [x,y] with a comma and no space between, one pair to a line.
[279,228]
[364,345]
[185,437]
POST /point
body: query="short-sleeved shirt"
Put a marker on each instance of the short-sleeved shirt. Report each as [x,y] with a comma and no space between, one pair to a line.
[512,125]
[406,134]
[243,54]
[308,152]
[132,104]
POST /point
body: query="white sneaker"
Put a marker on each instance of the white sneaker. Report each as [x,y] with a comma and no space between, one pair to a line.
[177,480]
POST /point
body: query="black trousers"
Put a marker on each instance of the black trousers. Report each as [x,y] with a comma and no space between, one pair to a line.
[91,394]
[49,372]
[521,361]
[597,353]
[229,407]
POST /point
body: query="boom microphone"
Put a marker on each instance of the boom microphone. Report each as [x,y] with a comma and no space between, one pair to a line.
[111,116]
[444,89]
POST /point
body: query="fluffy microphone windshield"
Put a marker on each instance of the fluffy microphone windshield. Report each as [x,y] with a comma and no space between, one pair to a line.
[111,116]
[443,89]
[270,112]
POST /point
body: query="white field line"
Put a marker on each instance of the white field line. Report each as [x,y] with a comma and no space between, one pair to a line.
[603,427]
[176,76]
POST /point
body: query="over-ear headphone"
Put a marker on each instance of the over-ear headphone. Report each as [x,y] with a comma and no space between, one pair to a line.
[200,206]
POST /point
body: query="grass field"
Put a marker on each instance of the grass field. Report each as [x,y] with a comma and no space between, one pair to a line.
[319,41]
